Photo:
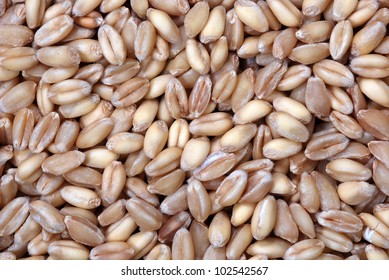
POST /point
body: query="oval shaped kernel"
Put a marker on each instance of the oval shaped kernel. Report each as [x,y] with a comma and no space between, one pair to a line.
[355,192]
[196,18]
[252,112]
[13,215]
[80,197]
[215,165]
[340,221]
[59,164]
[251,15]
[47,216]
[281,148]
[288,127]
[18,97]
[333,73]
[199,202]
[237,137]
[68,250]
[54,30]
[231,188]
[114,250]
[83,231]
[164,162]
[375,89]
[305,250]
[347,170]
[145,215]
[286,13]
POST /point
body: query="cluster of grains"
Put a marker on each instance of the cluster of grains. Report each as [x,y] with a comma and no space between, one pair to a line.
[189,129]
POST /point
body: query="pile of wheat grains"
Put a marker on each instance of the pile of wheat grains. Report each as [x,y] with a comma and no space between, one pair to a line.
[189,129]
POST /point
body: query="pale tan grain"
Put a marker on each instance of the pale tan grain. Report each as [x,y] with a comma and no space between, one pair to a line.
[84,176]
[112,213]
[136,163]
[215,165]
[47,216]
[164,24]
[145,115]
[219,232]
[13,35]
[13,215]
[142,242]
[175,202]
[198,199]
[334,240]
[120,230]
[286,12]
[368,38]
[264,217]
[281,148]
[182,245]
[83,231]
[178,134]
[168,183]
[29,169]
[214,27]
[268,78]
[145,215]
[305,250]
[68,250]
[159,252]
[62,163]
[112,251]
[94,133]
[76,211]
[281,184]
[171,226]
[80,197]
[329,199]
